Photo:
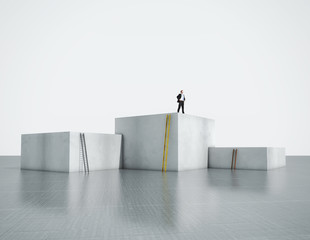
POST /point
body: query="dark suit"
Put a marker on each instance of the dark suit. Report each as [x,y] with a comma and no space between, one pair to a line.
[181,103]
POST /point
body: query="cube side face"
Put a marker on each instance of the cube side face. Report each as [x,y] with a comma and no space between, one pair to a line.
[45,151]
[103,151]
[74,151]
[195,136]
[275,158]
[143,141]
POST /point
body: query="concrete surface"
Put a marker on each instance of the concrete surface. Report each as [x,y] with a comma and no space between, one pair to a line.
[143,141]
[254,158]
[61,151]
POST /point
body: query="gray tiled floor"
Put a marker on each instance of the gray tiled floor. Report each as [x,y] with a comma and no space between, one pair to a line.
[128,204]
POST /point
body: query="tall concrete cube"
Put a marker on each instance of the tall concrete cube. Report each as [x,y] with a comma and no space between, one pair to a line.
[251,158]
[61,151]
[143,141]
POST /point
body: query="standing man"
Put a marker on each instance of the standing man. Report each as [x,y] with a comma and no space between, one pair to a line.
[181,100]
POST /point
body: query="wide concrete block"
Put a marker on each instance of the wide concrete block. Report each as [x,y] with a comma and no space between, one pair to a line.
[252,158]
[143,141]
[61,151]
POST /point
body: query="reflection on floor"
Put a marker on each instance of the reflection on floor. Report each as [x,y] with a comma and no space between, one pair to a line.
[130,204]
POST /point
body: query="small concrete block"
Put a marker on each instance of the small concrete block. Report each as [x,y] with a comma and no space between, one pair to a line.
[252,158]
[61,151]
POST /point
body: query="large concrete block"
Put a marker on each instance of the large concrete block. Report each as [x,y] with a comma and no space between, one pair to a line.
[252,158]
[61,151]
[143,141]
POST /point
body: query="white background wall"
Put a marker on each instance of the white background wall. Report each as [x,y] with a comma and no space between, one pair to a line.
[76,65]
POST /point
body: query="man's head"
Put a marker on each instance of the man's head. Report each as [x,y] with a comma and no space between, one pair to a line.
[181,91]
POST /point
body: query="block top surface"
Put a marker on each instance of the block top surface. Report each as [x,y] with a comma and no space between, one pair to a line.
[46,133]
[180,115]
[248,147]
[68,133]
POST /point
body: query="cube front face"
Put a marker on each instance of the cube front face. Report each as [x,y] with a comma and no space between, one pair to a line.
[45,151]
[143,141]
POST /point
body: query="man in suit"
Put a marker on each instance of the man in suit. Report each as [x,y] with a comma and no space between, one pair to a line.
[181,100]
